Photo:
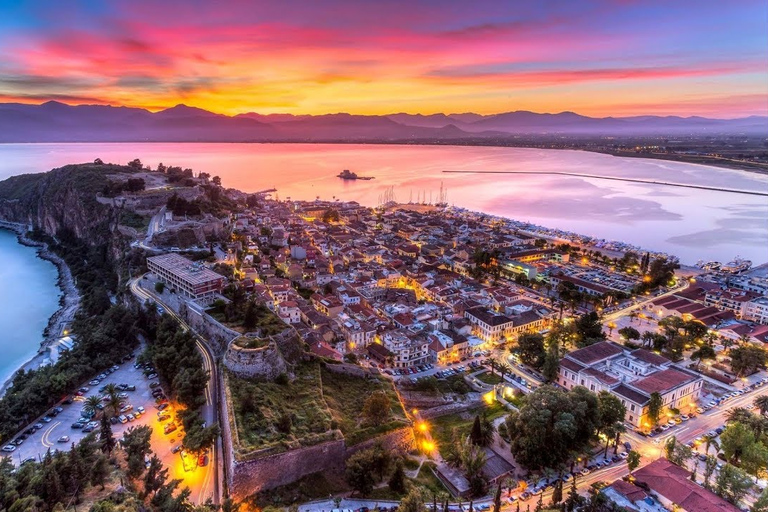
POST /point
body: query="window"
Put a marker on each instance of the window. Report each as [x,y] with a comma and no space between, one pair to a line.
[632,408]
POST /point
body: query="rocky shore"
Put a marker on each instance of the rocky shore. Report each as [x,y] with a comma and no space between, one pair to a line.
[68,303]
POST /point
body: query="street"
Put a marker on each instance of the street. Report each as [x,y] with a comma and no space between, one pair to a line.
[204,482]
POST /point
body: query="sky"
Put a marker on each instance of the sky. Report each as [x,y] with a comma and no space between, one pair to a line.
[597,57]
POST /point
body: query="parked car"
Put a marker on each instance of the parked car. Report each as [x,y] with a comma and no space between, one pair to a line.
[63,439]
[169,428]
[202,460]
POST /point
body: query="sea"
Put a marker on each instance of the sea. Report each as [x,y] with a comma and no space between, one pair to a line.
[29,296]
[539,186]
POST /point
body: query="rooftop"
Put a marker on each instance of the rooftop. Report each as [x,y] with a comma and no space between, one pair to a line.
[597,352]
[191,272]
[663,381]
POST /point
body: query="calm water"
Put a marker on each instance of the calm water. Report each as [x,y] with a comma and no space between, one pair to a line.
[28,297]
[693,224]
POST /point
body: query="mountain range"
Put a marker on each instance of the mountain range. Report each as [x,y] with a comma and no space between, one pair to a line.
[58,122]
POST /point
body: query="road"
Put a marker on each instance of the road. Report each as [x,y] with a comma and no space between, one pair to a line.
[209,485]
[627,310]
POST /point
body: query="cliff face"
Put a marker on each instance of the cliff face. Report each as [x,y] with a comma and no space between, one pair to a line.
[63,199]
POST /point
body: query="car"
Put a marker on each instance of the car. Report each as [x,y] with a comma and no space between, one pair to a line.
[140,409]
[525,495]
[123,419]
[126,408]
[38,426]
[712,433]
[27,461]
[152,376]
[113,420]
[671,423]
[162,406]
[584,472]
[122,395]
[624,455]
[89,428]
[130,417]
[176,449]
[702,457]
[664,427]
[161,417]
[719,430]
[538,490]
[94,382]
[102,376]
[567,477]
[9,448]
[169,428]
[78,425]
[699,410]
[131,387]
[627,445]
[202,460]
[63,439]
[17,442]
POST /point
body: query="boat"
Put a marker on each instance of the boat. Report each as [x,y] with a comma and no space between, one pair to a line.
[346,174]
[736,266]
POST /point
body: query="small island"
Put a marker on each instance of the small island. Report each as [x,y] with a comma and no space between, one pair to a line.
[346,174]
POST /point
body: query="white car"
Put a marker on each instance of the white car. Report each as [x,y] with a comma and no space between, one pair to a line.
[9,448]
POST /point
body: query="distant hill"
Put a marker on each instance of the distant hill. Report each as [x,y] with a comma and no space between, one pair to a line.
[57,122]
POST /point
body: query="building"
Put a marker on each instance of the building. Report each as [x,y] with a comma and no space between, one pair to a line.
[489,326]
[668,485]
[189,279]
[756,310]
[631,375]
[407,350]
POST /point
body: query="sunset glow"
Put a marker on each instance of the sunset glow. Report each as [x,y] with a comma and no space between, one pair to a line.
[368,57]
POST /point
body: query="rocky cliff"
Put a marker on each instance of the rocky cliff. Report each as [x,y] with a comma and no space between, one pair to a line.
[64,199]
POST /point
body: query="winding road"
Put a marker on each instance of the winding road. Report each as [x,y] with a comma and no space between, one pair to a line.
[211,407]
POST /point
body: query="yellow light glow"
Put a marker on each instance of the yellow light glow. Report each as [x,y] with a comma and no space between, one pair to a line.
[422,426]
[489,397]
[428,446]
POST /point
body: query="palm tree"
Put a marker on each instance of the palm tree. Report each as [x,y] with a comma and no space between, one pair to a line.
[740,414]
[91,404]
[710,441]
[761,403]
[114,402]
[504,369]
[494,365]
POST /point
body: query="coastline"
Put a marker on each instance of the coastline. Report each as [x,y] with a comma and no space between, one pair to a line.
[68,303]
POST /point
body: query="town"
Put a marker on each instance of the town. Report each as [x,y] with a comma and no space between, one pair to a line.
[421,353]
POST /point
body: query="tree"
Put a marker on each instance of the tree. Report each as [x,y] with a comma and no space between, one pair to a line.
[610,410]
[107,437]
[155,477]
[377,408]
[160,287]
[754,459]
[588,329]
[216,181]
[655,404]
[710,464]
[136,445]
[413,501]
[531,349]
[746,359]
[629,333]
[736,440]
[761,402]
[397,480]
[557,492]
[550,424]
[359,472]
[504,369]
[551,367]
[92,404]
[677,453]
[702,353]
[732,484]
[761,504]
[633,461]
[250,316]
[473,460]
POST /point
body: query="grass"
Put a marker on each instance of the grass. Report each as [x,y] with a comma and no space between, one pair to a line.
[426,479]
[488,378]
[258,407]
[134,220]
[443,427]
[317,401]
[246,342]
[267,323]
[345,396]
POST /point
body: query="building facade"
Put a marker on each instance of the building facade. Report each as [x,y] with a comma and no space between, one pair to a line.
[188,278]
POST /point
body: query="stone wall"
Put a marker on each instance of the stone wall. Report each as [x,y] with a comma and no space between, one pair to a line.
[263,363]
[283,468]
[449,409]
[397,441]
[218,335]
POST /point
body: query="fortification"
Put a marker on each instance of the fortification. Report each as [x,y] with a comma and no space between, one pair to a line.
[254,358]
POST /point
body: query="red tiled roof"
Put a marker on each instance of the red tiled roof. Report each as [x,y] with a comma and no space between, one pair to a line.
[649,357]
[630,491]
[601,376]
[673,483]
[596,352]
[662,381]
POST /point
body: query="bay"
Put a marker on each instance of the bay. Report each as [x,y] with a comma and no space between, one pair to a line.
[693,224]
[29,295]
